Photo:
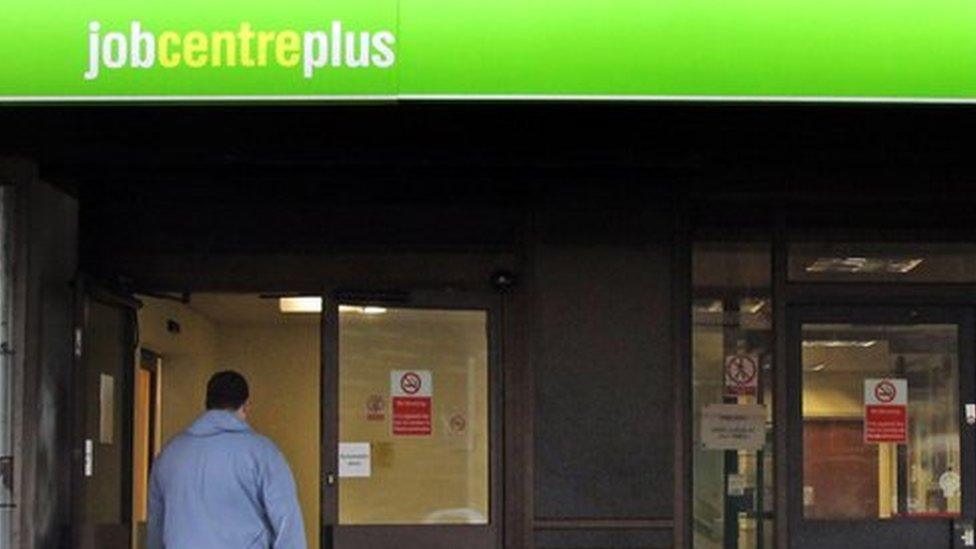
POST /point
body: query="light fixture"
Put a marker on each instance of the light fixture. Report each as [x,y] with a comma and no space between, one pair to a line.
[753,306]
[840,343]
[300,304]
[713,306]
[861,265]
[314,305]
[818,367]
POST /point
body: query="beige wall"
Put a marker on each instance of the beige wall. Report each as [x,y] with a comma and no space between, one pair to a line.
[837,390]
[188,360]
[281,363]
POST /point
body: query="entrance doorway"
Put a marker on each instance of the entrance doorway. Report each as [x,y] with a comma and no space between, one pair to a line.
[882,427]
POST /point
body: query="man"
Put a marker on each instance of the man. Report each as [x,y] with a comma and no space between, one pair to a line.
[221,485]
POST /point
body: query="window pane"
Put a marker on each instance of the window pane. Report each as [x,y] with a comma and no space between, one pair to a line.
[883,262]
[732,314]
[854,465]
[413,428]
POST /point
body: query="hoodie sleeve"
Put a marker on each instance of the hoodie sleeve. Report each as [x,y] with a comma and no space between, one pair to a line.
[280,500]
[157,513]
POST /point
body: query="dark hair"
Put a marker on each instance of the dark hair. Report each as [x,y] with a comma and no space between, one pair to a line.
[226,391]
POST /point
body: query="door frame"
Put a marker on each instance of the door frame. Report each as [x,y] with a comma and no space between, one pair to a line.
[432,536]
[910,530]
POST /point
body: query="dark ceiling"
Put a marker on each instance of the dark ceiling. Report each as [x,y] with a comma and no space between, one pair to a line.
[421,149]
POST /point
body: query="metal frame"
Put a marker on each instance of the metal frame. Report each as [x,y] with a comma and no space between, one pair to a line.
[868,533]
[352,537]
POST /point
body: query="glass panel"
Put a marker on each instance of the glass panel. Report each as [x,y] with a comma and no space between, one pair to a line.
[882,262]
[860,460]
[732,315]
[413,416]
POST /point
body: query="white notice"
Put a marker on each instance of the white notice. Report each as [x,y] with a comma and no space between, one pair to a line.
[106,409]
[354,460]
[733,427]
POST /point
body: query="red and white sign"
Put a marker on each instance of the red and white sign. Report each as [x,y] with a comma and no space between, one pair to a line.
[741,375]
[886,411]
[412,392]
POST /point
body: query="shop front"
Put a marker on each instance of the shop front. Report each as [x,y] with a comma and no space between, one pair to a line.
[578,368]
[650,275]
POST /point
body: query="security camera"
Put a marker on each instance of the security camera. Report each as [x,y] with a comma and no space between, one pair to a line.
[503,280]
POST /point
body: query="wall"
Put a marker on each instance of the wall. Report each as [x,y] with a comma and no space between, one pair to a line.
[189,359]
[604,414]
[281,363]
[45,263]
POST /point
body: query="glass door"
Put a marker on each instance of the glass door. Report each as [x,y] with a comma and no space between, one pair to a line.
[882,427]
[412,424]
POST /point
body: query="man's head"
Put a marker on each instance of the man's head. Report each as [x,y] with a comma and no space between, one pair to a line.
[227,391]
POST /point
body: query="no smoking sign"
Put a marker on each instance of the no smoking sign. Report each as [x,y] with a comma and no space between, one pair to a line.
[885,411]
[741,375]
[412,396]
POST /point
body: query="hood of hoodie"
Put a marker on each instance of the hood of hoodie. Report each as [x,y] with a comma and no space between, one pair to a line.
[215,422]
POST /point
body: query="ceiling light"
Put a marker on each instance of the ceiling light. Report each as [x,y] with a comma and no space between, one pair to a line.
[709,307]
[818,367]
[840,343]
[314,305]
[753,307]
[858,265]
[300,304]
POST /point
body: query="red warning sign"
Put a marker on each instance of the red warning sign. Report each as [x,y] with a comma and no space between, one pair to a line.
[885,411]
[412,393]
[411,416]
[741,376]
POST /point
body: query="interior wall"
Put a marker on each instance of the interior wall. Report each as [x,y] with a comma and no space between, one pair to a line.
[281,363]
[837,391]
[189,358]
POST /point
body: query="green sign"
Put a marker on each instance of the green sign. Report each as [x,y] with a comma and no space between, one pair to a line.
[320,50]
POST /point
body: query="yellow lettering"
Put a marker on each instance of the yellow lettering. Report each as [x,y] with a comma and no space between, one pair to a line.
[264,40]
[195,49]
[244,36]
[221,43]
[287,49]
[168,41]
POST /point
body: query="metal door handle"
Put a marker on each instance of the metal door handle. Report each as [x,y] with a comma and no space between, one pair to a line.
[330,479]
[971,414]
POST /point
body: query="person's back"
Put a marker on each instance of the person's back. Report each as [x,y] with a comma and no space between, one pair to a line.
[221,485]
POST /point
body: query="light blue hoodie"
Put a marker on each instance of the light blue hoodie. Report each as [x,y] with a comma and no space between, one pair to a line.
[221,485]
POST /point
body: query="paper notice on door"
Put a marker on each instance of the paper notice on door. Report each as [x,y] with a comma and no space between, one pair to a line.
[106,409]
[355,460]
[733,427]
